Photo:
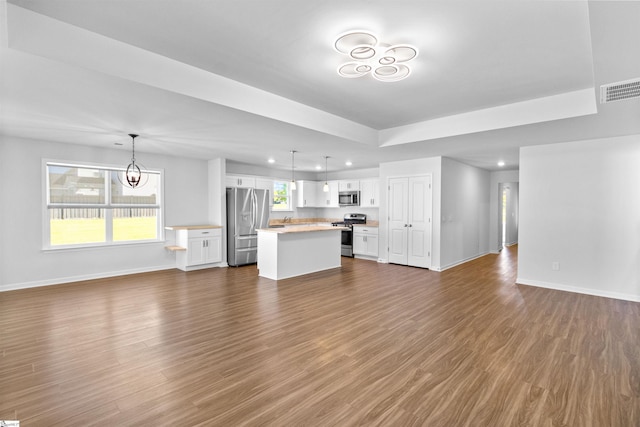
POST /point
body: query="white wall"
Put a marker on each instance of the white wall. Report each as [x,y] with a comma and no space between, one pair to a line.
[495,179]
[464,230]
[580,207]
[427,166]
[25,264]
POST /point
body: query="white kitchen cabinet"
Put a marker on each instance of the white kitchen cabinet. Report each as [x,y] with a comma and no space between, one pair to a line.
[306,194]
[327,199]
[204,246]
[349,185]
[370,193]
[243,181]
[410,221]
[266,184]
[365,241]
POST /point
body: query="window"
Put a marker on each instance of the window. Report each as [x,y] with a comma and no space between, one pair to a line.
[281,196]
[88,206]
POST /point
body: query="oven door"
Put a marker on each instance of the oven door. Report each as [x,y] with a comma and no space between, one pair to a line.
[347,243]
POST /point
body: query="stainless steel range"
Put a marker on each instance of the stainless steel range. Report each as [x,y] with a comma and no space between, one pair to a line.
[347,233]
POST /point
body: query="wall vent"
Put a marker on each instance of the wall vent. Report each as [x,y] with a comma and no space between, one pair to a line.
[620,90]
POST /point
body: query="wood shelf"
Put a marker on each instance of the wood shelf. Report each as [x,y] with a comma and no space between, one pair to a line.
[175,248]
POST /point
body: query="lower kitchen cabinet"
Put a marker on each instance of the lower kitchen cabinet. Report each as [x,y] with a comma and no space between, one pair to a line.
[365,241]
[204,246]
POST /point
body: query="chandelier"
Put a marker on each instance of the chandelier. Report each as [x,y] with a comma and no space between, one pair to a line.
[367,55]
[132,175]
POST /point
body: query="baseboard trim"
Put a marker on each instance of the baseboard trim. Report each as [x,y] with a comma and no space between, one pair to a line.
[457,263]
[578,290]
[80,278]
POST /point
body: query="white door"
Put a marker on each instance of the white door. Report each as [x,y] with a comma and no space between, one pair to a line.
[398,220]
[410,221]
[419,222]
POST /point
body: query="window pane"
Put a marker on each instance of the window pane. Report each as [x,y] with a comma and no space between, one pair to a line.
[145,194]
[135,224]
[71,226]
[280,195]
[76,185]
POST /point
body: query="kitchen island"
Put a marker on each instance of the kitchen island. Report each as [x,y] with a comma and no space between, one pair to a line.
[297,250]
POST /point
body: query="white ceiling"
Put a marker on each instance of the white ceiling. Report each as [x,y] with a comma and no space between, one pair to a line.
[248,80]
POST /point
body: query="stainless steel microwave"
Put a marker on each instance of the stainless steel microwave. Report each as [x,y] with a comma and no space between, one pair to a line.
[349,198]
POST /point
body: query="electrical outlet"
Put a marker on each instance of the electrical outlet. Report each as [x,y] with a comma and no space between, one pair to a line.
[555,266]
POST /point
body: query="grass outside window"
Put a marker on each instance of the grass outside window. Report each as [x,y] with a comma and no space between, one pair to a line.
[92,230]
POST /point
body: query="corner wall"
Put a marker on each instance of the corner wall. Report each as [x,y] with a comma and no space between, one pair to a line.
[580,207]
[464,227]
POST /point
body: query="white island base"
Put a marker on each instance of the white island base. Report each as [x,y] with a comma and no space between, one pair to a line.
[290,252]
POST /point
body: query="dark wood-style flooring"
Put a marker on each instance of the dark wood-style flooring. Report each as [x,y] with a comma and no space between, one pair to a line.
[367,344]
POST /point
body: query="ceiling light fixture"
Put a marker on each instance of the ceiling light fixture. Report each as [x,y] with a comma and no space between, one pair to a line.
[367,55]
[132,176]
[271,160]
[348,163]
[293,181]
[501,163]
[325,187]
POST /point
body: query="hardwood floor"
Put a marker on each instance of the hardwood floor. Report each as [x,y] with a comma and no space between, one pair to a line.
[367,344]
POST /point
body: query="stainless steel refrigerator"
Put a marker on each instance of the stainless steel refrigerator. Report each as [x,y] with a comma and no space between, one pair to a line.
[247,210]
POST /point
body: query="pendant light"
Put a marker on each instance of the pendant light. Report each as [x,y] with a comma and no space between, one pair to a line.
[325,187]
[133,176]
[293,181]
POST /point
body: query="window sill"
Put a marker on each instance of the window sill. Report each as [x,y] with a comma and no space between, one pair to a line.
[71,248]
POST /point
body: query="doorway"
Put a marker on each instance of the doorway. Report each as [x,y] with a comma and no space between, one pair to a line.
[508,214]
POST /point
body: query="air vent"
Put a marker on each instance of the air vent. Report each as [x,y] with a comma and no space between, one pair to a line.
[621,90]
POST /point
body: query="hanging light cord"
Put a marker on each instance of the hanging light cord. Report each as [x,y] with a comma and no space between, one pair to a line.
[293,183]
[133,148]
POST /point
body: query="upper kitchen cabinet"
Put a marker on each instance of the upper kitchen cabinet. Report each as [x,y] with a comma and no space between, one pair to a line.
[327,199]
[370,193]
[240,181]
[349,185]
[266,184]
[306,194]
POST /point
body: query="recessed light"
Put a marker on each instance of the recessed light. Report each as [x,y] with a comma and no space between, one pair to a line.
[348,163]
[318,167]
[117,143]
[271,160]
[501,163]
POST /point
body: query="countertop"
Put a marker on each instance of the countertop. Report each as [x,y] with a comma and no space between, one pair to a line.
[303,221]
[300,229]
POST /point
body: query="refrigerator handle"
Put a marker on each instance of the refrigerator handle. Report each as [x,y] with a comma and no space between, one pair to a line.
[254,209]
